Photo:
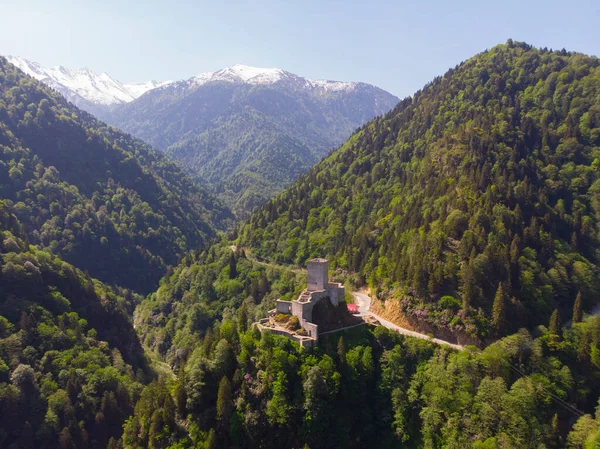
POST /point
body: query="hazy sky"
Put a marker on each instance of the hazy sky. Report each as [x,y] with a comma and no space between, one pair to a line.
[397,45]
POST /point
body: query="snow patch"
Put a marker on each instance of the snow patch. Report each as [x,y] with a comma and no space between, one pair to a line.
[254,75]
[333,86]
[139,89]
[99,89]
[102,89]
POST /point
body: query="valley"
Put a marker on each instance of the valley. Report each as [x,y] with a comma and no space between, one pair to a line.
[245,133]
[186,286]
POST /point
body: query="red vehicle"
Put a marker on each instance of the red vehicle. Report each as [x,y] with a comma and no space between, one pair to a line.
[352,308]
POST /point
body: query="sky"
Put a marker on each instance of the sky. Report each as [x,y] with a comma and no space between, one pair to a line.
[396,45]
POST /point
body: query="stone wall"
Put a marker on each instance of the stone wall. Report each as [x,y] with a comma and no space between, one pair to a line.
[336,293]
[283,306]
[303,310]
[305,342]
[312,329]
[317,274]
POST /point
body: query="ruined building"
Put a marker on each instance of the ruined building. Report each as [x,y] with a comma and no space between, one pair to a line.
[319,288]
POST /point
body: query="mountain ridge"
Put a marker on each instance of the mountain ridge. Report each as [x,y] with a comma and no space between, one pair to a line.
[218,124]
[442,204]
[215,123]
[103,89]
[80,186]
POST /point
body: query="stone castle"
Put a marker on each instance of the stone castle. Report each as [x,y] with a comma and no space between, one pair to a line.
[318,289]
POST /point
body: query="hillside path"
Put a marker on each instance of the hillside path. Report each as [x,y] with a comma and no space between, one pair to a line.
[363,302]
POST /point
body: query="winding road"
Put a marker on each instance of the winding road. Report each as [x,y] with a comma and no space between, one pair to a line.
[363,302]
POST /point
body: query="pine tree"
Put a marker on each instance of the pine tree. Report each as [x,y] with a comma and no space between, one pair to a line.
[555,327]
[577,309]
[208,341]
[554,439]
[263,284]
[180,393]
[224,400]
[243,318]
[515,250]
[232,266]
[468,286]
[211,440]
[499,311]
[584,348]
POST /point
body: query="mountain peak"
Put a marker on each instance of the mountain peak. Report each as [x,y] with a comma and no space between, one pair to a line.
[82,83]
[240,73]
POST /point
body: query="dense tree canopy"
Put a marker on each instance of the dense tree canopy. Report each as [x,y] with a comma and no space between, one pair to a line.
[205,287]
[249,141]
[81,188]
[487,176]
[71,366]
[241,389]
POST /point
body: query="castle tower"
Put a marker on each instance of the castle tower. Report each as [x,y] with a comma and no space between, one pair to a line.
[317,274]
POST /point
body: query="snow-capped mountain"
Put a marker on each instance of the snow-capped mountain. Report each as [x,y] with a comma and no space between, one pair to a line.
[246,132]
[82,85]
[97,92]
[254,75]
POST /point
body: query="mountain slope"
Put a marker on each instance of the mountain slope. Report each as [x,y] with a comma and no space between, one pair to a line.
[70,361]
[87,90]
[82,188]
[220,124]
[474,204]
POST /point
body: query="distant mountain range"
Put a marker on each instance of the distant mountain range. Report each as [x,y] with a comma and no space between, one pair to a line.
[244,132]
[90,91]
[247,132]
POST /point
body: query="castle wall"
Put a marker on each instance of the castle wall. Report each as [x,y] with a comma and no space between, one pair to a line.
[336,294]
[312,329]
[318,288]
[302,341]
[301,311]
[283,306]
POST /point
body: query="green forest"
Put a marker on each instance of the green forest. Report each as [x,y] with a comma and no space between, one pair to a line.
[81,187]
[71,365]
[126,316]
[247,142]
[480,193]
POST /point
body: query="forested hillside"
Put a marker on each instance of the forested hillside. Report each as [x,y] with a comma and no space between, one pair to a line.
[206,287]
[100,199]
[247,139]
[362,388]
[474,204]
[71,365]
[369,388]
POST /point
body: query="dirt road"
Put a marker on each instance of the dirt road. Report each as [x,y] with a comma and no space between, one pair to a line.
[363,302]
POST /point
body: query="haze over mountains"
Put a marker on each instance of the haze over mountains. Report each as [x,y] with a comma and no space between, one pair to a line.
[244,132]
